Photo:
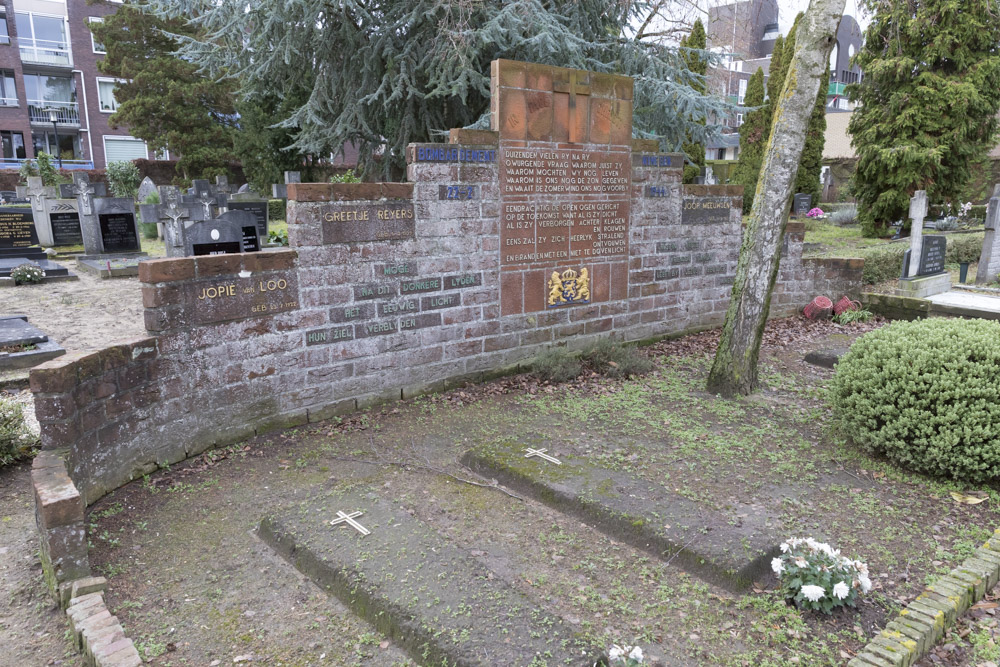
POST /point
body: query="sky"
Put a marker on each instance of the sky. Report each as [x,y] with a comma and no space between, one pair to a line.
[787,10]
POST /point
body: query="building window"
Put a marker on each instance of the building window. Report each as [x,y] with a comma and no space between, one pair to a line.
[4,28]
[42,39]
[124,149]
[739,119]
[8,91]
[46,94]
[106,95]
[13,145]
[743,91]
[60,145]
[97,46]
[721,154]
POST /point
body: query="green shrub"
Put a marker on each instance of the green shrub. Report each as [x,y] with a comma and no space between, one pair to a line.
[964,248]
[926,395]
[275,236]
[47,170]
[275,209]
[16,440]
[616,360]
[152,198]
[27,273]
[346,177]
[26,170]
[557,364]
[846,214]
[852,316]
[123,178]
[148,230]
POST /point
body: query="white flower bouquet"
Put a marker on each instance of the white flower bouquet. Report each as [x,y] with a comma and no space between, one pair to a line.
[816,576]
[625,656]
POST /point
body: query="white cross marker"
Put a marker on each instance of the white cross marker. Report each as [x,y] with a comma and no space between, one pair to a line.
[349,518]
[540,453]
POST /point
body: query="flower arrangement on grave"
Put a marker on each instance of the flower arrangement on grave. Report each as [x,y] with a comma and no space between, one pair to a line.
[817,577]
[816,213]
[27,273]
[625,656]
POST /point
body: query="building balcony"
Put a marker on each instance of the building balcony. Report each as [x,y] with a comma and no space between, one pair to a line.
[45,52]
[40,112]
[836,89]
[15,163]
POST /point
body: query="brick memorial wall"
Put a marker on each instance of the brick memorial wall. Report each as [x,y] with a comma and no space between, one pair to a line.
[556,228]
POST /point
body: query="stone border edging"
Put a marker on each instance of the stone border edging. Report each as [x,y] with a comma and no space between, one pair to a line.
[918,627]
[59,513]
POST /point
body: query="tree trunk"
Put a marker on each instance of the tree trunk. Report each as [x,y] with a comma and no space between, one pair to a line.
[734,371]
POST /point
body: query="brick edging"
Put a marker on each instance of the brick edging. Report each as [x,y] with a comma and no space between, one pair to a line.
[918,627]
[59,513]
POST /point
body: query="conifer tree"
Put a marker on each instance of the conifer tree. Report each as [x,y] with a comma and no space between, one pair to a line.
[929,101]
[753,139]
[775,75]
[692,49]
[387,73]
[163,99]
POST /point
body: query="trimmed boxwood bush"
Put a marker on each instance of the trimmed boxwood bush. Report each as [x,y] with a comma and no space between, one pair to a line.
[926,395]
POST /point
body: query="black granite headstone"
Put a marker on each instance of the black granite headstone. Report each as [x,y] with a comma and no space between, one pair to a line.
[259,211]
[17,228]
[118,232]
[932,255]
[802,204]
[66,228]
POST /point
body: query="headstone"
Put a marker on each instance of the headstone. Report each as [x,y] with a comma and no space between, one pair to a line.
[118,227]
[222,185]
[38,196]
[245,188]
[918,211]
[146,188]
[50,268]
[64,221]
[802,204]
[989,259]
[15,333]
[172,211]
[281,191]
[258,209]
[17,229]
[232,232]
[84,191]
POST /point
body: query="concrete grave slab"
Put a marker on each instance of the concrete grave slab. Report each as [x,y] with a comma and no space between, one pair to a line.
[439,604]
[15,332]
[110,268]
[723,549]
[50,268]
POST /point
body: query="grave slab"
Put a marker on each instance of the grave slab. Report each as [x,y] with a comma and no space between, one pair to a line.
[110,268]
[15,332]
[924,286]
[730,550]
[435,601]
[50,268]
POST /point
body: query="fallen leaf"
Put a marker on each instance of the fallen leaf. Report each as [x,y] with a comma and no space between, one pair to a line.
[967,500]
[984,605]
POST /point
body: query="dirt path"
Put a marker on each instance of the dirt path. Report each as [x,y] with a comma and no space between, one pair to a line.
[88,314]
[31,626]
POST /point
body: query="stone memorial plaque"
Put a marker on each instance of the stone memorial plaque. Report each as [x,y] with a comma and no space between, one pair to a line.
[66,228]
[17,228]
[802,204]
[259,211]
[369,221]
[224,248]
[117,226]
[559,230]
[706,210]
[234,298]
[932,255]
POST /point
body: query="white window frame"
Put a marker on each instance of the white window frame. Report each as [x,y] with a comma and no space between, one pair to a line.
[162,155]
[739,119]
[106,79]
[113,137]
[741,95]
[93,44]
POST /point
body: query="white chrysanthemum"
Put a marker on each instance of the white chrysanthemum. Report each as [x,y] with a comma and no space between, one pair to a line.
[840,590]
[636,654]
[784,547]
[801,562]
[616,653]
[866,583]
[777,565]
[813,593]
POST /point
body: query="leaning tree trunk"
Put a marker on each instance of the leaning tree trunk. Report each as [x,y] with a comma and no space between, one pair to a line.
[734,371]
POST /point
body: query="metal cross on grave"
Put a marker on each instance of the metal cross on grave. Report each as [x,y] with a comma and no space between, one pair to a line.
[349,520]
[577,134]
[175,212]
[540,453]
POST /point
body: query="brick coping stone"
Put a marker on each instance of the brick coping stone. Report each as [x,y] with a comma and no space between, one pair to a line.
[910,635]
[438,603]
[646,516]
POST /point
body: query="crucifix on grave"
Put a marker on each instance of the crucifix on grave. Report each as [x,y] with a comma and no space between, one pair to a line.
[38,195]
[349,519]
[918,211]
[924,273]
[175,213]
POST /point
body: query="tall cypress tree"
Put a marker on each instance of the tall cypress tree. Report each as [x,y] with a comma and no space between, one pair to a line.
[692,50]
[775,75]
[929,102]
[753,139]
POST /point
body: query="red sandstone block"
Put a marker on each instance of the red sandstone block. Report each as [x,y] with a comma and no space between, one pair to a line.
[56,375]
[56,407]
[270,261]
[89,366]
[396,190]
[166,270]
[57,500]
[218,265]
[646,145]
[511,293]
[49,459]
[59,434]
[473,137]
[115,357]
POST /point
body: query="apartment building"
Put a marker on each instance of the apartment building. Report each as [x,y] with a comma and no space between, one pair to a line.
[52,98]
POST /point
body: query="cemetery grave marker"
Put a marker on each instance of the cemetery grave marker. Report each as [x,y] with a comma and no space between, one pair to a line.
[279,191]
[350,521]
[23,345]
[259,211]
[989,259]
[540,453]
[802,204]
[146,188]
[926,274]
[119,230]
[64,220]
[232,232]
[19,245]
